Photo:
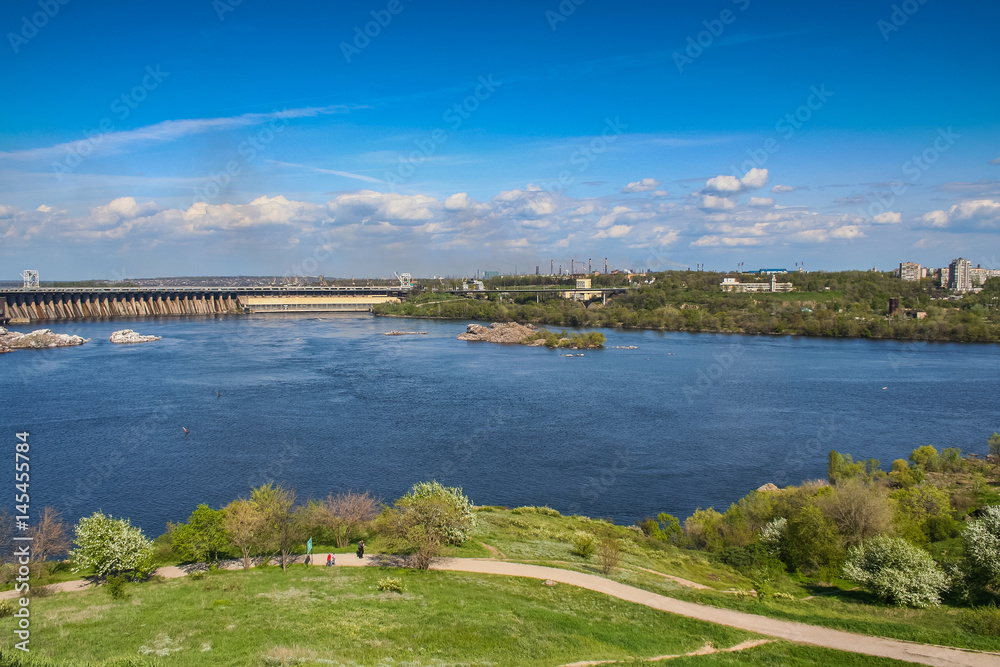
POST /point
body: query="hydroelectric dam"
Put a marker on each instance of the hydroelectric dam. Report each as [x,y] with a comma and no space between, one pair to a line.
[39,304]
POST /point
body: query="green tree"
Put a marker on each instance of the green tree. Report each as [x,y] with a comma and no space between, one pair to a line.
[812,544]
[203,537]
[112,547]
[896,572]
[994,445]
[903,475]
[283,525]
[702,529]
[246,527]
[926,458]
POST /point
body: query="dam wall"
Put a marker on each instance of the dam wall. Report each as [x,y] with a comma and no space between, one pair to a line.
[45,304]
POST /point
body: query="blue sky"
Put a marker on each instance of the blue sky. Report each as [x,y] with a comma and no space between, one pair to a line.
[252,137]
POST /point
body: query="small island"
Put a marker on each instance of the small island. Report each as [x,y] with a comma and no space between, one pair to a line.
[38,339]
[530,335]
[129,336]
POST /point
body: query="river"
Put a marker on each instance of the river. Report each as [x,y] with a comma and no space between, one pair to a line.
[328,403]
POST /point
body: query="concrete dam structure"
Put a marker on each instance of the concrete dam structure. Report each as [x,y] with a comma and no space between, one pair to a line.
[39,304]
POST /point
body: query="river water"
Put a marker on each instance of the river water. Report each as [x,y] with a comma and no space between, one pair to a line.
[328,403]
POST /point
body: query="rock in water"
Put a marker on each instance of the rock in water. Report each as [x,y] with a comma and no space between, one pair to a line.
[129,336]
[498,332]
[38,339]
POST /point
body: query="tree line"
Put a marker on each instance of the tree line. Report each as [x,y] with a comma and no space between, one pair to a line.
[928,527]
[842,304]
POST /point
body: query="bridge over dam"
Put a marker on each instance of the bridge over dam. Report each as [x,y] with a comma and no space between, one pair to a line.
[37,304]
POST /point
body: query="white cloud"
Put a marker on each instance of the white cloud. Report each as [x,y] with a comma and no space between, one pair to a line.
[166,131]
[847,232]
[782,189]
[761,202]
[711,202]
[645,185]
[888,218]
[973,215]
[659,193]
[721,184]
[614,232]
[995,161]
[717,189]
[755,178]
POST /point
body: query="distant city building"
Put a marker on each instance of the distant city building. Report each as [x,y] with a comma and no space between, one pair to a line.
[910,271]
[959,275]
[765,272]
[980,275]
[490,274]
[583,283]
[733,285]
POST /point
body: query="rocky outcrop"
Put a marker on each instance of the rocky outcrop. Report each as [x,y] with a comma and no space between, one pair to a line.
[500,332]
[41,338]
[769,487]
[129,336]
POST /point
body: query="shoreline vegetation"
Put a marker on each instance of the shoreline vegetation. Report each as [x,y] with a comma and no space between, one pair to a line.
[849,304]
[910,553]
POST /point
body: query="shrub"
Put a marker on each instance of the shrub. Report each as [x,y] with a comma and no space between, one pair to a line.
[6,608]
[584,544]
[609,554]
[981,621]
[751,560]
[546,511]
[116,587]
[941,528]
[390,584]
[896,572]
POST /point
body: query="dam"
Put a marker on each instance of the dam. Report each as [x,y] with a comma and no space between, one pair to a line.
[40,304]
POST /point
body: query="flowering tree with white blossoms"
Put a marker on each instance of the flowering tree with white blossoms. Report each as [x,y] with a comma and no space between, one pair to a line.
[897,572]
[111,546]
[982,546]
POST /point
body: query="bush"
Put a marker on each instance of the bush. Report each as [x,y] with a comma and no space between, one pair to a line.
[896,572]
[981,621]
[6,609]
[390,584]
[750,560]
[584,544]
[609,554]
[116,587]
[546,511]
[941,528]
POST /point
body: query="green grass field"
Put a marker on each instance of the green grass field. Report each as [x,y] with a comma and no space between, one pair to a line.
[337,616]
[309,615]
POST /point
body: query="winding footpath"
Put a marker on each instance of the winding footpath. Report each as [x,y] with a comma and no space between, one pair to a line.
[799,633]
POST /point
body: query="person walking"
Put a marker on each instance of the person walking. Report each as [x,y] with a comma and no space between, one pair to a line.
[329,560]
[361,548]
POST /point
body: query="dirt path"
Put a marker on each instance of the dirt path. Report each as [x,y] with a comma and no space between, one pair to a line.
[800,633]
[707,649]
